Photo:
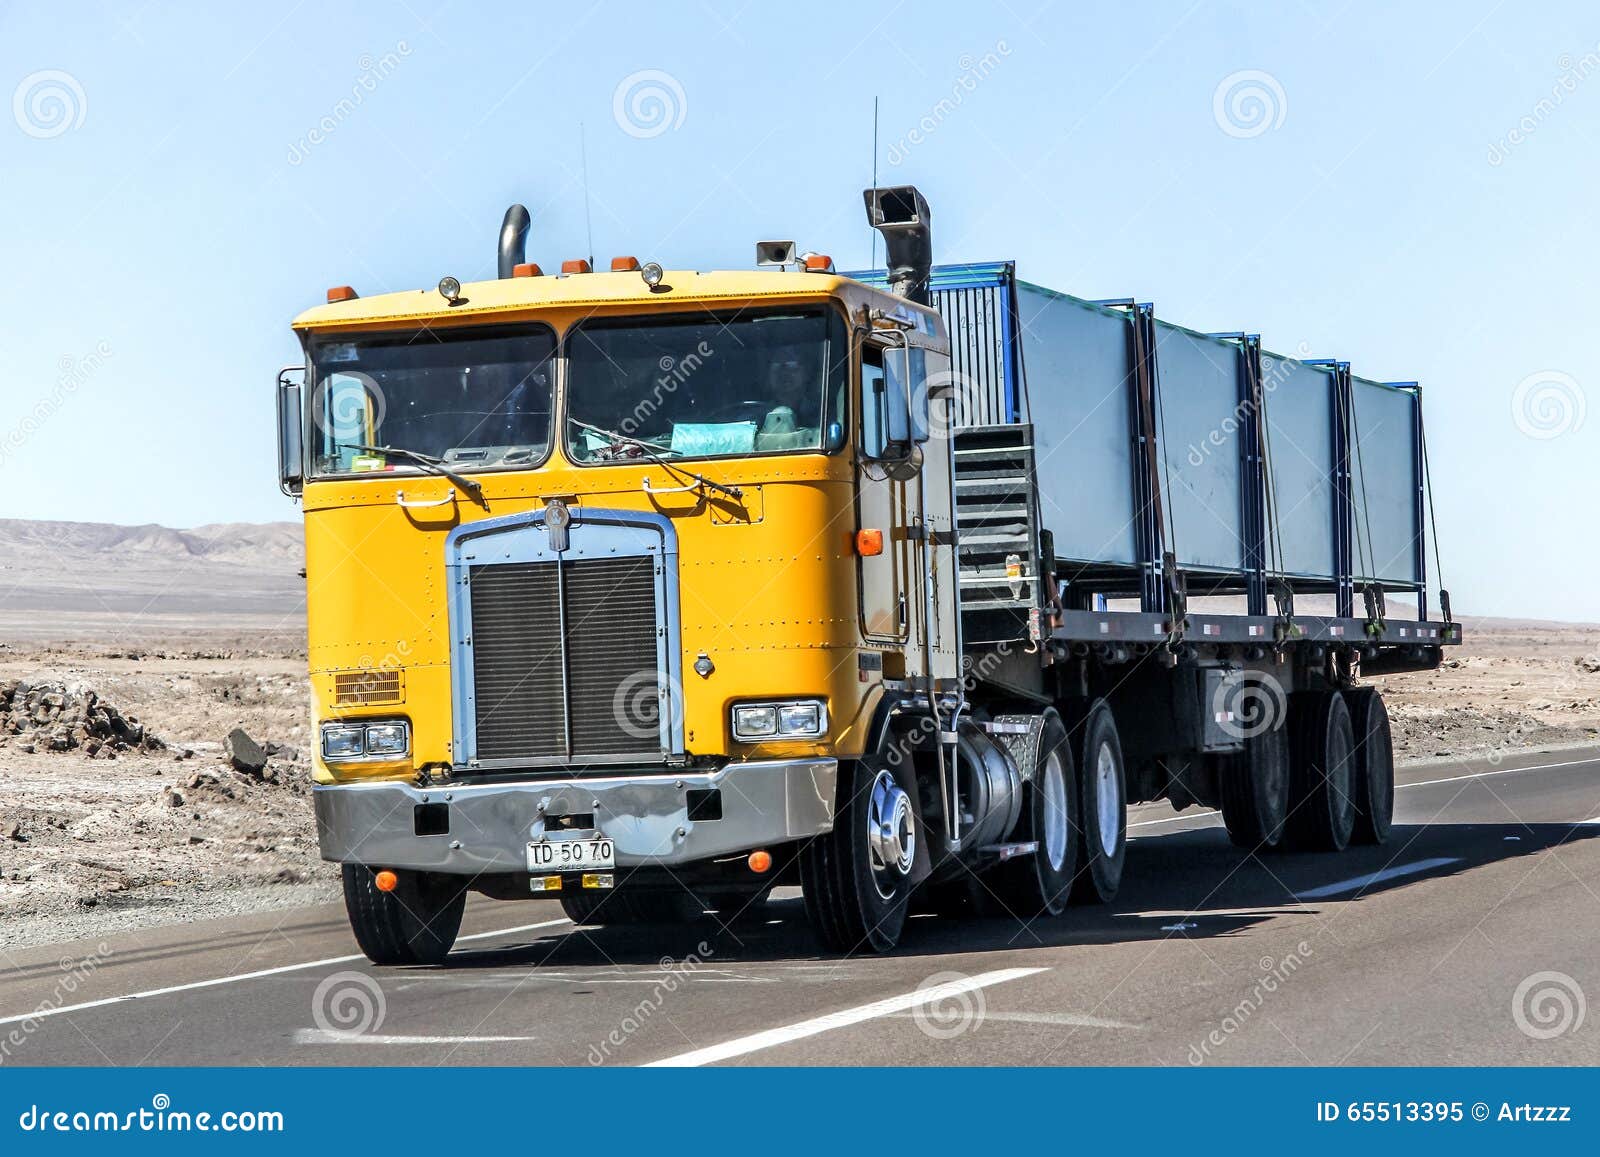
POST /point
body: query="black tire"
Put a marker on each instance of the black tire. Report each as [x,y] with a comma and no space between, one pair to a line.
[1097,749]
[1254,785]
[1374,766]
[1321,770]
[1041,884]
[417,923]
[625,906]
[850,904]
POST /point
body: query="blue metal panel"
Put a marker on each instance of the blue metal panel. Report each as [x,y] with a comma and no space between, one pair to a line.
[1384,468]
[522,538]
[1300,402]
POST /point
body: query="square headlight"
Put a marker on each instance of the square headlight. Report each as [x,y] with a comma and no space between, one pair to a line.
[801,719]
[340,741]
[387,738]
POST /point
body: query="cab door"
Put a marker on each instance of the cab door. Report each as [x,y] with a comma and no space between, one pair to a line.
[880,507]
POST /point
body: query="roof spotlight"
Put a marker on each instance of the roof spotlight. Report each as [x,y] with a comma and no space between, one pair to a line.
[450,289]
[651,272]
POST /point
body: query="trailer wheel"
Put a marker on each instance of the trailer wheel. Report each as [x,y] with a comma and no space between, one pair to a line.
[1102,804]
[622,906]
[856,879]
[1040,884]
[416,923]
[1321,771]
[1374,766]
[1254,785]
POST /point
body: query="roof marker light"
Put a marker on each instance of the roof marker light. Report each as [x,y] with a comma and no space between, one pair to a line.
[527,269]
[342,293]
[817,263]
[576,265]
[624,264]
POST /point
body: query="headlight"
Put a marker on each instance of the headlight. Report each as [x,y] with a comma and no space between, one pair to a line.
[389,739]
[801,719]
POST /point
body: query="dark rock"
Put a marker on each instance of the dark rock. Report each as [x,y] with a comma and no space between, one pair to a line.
[245,753]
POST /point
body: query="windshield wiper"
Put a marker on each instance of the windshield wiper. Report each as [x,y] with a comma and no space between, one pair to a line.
[429,463]
[649,449]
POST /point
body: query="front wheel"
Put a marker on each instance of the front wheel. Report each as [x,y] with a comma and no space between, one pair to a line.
[856,879]
[416,922]
[1102,805]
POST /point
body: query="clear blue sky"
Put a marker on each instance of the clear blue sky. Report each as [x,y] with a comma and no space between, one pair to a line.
[165,210]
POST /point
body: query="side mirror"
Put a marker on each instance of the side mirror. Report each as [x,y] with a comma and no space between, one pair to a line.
[291,451]
[908,420]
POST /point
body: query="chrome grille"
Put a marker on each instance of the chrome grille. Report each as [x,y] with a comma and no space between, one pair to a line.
[564,654]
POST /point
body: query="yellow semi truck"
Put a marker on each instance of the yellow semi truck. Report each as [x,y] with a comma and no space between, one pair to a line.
[648,590]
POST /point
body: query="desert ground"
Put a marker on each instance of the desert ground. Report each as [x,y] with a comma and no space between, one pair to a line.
[120,805]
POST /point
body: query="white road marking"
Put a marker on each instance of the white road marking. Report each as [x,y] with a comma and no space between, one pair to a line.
[843,1019]
[42,1012]
[1209,814]
[317,1036]
[1064,1019]
[1378,877]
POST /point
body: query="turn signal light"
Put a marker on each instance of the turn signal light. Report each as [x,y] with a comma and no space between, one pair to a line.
[576,265]
[342,293]
[386,881]
[869,543]
[526,269]
[624,264]
[760,861]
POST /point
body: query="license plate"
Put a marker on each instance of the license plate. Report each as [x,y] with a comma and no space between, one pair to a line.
[571,855]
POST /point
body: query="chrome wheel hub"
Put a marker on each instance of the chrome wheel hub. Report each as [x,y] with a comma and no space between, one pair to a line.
[891,833]
[1053,788]
[1108,798]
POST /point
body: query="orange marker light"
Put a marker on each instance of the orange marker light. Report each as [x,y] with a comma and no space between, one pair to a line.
[576,265]
[342,293]
[526,269]
[624,264]
[818,263]
[869,543]
[760,861]
[386,880]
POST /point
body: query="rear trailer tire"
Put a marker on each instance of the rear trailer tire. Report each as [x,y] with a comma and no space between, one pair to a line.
[1102,804]
[1254,785]
[622,906]
[1040,884]
[856,879]
[416,923]
[1374,766]
[1321,773]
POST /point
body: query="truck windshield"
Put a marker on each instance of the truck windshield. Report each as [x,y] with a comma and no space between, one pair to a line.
[705,387]
[470,398]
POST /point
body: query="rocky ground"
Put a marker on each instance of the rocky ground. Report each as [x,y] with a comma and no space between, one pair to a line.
[122,804]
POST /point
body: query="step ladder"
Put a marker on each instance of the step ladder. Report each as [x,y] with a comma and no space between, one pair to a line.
[997,519]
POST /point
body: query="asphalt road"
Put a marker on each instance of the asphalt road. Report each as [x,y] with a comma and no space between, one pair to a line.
[1469,939]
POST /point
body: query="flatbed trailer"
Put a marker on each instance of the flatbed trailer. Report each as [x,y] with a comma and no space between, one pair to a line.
[925,573]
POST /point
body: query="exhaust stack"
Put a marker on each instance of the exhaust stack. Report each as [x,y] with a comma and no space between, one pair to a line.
[901,214]
[514,240]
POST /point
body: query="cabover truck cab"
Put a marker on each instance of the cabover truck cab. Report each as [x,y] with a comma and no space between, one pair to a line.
[648,590]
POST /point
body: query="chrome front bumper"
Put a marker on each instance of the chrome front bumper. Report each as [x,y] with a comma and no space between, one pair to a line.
[647,816]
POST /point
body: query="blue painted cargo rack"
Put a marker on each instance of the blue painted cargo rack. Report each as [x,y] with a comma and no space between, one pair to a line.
[1123,481]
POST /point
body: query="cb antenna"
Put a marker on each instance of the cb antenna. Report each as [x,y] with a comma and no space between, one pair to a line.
[873,264]
[588,219]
